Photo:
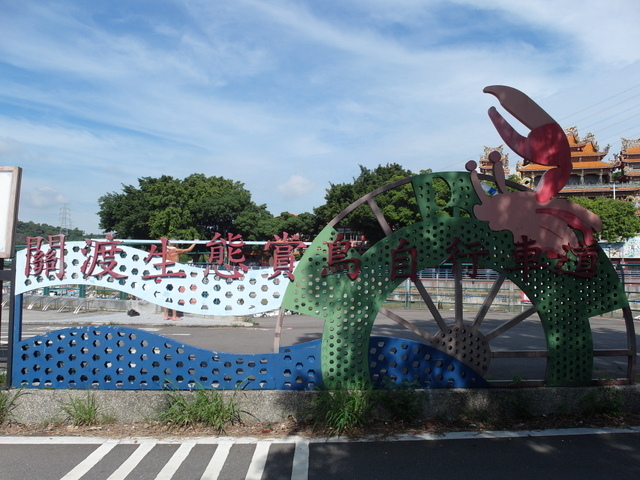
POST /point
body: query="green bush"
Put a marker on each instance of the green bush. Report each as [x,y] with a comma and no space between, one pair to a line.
[202,407]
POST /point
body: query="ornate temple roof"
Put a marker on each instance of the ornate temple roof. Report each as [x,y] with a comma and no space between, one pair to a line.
[630,150]
[585,154]
[532,167]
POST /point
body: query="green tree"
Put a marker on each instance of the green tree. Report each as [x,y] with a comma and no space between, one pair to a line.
[304,224]
[32,229]
[619,219]
[195,207]
[398,205]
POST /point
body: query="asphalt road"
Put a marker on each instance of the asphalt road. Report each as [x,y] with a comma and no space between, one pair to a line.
[579,455]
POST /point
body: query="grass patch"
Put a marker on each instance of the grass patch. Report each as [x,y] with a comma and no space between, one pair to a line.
[522,406]
[8,404]
[85,411]
[202,407]
[342,410]
[401,402]
[605,401]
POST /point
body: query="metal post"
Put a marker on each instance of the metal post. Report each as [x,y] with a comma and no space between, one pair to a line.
[278,331]
[15,329]
[407,294]
[1,292]
[10,276]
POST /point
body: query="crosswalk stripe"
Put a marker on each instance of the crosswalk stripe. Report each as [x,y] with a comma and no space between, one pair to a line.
[300,470]
[175,461]
[258,461]
[130,463]
[217,461]
[92,459]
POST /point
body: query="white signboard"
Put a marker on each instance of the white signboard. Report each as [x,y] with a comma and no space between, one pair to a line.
[9,194]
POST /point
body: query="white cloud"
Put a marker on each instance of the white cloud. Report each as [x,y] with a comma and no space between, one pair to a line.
[604,32]
[44,197]
[10,149]
[296,186]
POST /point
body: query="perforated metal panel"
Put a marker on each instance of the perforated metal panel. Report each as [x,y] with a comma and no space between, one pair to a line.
[110,357]
[194,293]
[121,358]
[403,362]
[349,306]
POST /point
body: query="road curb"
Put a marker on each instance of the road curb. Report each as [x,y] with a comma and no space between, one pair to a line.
[213,440]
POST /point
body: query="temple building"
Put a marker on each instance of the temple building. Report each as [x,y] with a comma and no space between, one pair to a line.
[629,160]
[486,167]
[592,176]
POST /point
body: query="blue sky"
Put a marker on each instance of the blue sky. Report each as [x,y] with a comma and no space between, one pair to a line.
[288,96]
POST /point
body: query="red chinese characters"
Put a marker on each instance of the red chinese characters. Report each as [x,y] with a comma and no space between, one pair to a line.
[39,262]
[338,261]
[165,261]
[227,252]
[586,261]
[527,256]
[470,251]
[403,261]
[101,258]
[283,258]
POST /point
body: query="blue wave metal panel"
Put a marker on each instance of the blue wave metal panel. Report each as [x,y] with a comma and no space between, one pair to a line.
[110,357]
[396,361]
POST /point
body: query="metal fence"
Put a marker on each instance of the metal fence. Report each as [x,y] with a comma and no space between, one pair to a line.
[439,282]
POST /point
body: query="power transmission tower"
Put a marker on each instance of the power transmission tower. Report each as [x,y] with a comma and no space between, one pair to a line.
[65,219]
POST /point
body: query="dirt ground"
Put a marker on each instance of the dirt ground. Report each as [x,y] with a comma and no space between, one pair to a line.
[377,428]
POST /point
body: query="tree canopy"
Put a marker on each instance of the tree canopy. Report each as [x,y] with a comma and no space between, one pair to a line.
[619,219]
[195,207]
[398,205]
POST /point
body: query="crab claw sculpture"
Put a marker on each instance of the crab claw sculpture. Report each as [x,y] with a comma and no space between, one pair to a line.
[550,222]
[546,144]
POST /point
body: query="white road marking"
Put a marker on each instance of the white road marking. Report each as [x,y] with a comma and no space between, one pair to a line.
[258,461]
[300,470]
[132,462]
[88,463]
[175,461]
[217,461]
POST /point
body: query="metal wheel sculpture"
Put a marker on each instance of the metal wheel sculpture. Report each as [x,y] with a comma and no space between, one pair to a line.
[351,292]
